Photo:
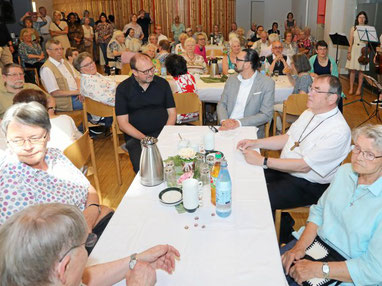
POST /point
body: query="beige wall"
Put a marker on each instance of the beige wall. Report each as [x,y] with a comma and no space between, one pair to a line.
[48,4]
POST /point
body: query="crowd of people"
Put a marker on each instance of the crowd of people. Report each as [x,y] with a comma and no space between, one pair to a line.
[35,192]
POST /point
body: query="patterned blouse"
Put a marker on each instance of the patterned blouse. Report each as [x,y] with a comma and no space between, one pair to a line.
[196,65]
[98,88]
[104,29]
[114,45]
[75,31]
[22,186]
[25,50]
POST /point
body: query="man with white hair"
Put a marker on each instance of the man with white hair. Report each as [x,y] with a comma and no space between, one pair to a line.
[278,62]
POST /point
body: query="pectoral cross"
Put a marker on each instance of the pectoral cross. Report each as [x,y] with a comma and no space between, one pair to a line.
[296,144]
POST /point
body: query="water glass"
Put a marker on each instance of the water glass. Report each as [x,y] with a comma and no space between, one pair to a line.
[170,176]
[199,159]
[210,160]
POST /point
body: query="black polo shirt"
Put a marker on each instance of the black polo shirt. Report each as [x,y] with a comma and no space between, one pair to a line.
[147,109]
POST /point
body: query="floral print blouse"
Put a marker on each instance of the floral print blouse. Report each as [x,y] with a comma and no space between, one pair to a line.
[22,186]
[25,50]
[104,29]
[98,88]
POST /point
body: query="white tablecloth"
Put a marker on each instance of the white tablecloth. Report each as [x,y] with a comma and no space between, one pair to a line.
[238,250]
[211,92]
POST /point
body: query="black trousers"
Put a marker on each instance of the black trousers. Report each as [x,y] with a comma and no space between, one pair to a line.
[287,191]
[134,147]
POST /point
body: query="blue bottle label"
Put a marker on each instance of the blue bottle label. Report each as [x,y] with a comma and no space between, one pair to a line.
[223,193]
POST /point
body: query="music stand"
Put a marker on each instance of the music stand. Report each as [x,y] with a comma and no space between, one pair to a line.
[378,87]
[339,40]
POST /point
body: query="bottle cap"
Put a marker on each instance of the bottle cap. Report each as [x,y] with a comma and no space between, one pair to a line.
[218,155]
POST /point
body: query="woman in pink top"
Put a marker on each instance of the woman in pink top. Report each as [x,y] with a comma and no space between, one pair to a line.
[200,48]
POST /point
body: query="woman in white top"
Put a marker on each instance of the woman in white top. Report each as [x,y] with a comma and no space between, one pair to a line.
[195,63]
[88,35]
[180,48]
[63,132]
[132,44]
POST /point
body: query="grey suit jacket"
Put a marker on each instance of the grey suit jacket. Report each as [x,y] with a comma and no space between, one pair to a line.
[259,107]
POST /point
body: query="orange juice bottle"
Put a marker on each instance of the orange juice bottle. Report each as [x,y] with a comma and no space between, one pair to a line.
[214,175]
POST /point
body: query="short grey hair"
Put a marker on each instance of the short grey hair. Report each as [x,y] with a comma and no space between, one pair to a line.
[31,114]
[79,59]
[33,240]
[369,131]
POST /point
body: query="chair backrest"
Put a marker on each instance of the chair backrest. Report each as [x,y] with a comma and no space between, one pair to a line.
[295,104]
[126,69]
[79,151]
[187,103]
[96,108]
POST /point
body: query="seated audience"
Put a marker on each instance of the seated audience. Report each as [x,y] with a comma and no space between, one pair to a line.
[200,47]
[93,84]
[248,97]
[275,29]
[229,60]
[115,48]
[144,105]
[164,51]
[131,43]
[158,31]
[347,218]
[181,82]
[304,44]
[322,63]
[181,48]
[59,78]
[278,62]
[138,33]
[289,47]
[28,28]
[256,36]
[13,77]
[266,52]
[71,54]
[150,50]
[41,174]
[251,32]
[261,45]
[217,36]
[75,33]
[195,63]
[312,150]
[58,233]
[30,53]
[300,65]
[63,132]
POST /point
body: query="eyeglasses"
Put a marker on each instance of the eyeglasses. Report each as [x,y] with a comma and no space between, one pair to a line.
[241,60]
[31,140]
[367,155]
[15,74]
[90,242]
[88,64]
[149,71]
[57,49]
[315,90]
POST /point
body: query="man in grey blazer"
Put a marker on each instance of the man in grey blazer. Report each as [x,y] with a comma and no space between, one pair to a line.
[248,97]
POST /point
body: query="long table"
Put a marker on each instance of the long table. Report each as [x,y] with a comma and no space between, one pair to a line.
[239,250]
[211,92]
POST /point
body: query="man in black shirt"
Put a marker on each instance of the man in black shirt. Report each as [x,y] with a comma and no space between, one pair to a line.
[144,104]
[144,21]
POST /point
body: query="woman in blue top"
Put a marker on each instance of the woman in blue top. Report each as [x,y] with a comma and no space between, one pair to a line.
[348,218]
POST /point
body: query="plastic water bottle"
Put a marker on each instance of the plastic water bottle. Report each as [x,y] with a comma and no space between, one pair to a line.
[223,191]
[163,71]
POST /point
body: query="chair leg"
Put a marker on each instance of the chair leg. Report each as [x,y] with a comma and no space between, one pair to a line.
[278,224]
[95,173]
[116,155]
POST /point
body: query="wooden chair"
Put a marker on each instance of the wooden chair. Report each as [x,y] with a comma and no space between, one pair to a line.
[301,210]
[292,108]
[187,103]
[126,69]
[102,110]
[34,70]
[79,153]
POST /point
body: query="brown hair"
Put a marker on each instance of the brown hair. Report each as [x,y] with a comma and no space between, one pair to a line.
[29,95]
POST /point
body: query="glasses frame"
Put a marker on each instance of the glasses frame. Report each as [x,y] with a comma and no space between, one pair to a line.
[88,64]
[15,74]
[312,89]
[240,60]
[90,242]
[148,71]
[369,156]
[32,141]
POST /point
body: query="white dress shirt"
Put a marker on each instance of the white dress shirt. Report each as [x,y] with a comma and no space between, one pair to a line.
[49,80]
[242,96]
[324,149]
[45,29]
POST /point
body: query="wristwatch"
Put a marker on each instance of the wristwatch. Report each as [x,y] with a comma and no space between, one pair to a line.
[133,261]
[265,166]
[325,270]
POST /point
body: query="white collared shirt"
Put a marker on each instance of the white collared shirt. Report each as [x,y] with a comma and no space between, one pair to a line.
[242,96]
[324,149]
[45,29]
[49,80]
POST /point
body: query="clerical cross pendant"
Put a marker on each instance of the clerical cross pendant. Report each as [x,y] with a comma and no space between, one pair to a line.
[296,144]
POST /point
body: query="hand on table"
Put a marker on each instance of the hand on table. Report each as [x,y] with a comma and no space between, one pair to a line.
[245,143]
[160,257]
[303,270]
[229,124]
[253,157]
[143,274]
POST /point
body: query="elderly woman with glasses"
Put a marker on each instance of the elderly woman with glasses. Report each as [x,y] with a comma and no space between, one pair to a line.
[347,219]
[33,174]
[195,63]
[45,245]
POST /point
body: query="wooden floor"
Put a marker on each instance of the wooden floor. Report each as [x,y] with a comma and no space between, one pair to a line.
[113,193]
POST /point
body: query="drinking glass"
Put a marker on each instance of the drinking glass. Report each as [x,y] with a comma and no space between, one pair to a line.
[170,176]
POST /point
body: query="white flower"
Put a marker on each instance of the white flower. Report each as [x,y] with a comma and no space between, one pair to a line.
[187,153]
